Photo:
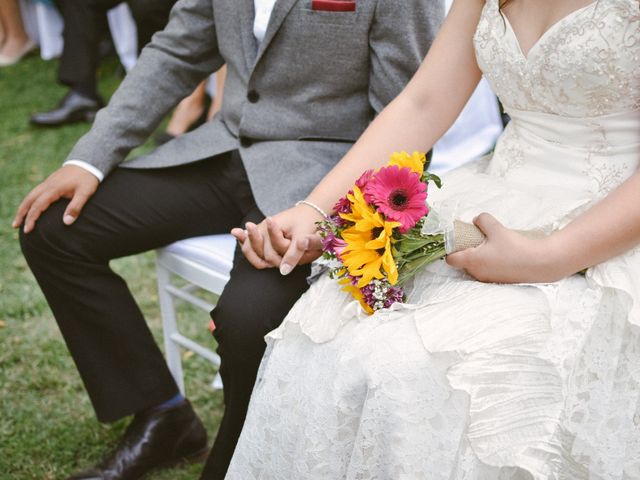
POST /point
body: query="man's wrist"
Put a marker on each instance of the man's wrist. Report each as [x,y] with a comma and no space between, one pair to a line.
[86,166]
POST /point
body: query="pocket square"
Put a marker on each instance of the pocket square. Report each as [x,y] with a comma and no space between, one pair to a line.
[334,5]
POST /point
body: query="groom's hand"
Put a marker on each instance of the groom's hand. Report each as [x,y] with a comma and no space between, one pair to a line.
[257,246]
[69,181]
[285,240]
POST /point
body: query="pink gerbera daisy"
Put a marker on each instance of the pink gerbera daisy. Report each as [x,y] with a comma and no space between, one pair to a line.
[399,195]
[361,183]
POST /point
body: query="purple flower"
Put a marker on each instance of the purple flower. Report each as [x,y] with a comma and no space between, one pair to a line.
[343,205]
[332,244]
[381,294]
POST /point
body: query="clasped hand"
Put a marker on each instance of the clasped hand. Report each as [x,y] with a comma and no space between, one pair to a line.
[506,256]
[282,241]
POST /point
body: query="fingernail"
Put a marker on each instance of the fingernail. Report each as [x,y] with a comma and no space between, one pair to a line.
[285,269]
[68,219]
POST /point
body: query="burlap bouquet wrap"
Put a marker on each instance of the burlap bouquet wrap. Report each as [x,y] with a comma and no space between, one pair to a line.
[467,235]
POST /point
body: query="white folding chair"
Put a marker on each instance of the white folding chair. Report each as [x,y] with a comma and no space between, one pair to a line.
[203,263]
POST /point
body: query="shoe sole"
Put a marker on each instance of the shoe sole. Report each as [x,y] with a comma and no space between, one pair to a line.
[77,117]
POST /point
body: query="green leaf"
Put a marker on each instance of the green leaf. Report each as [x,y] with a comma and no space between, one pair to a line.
[432,177]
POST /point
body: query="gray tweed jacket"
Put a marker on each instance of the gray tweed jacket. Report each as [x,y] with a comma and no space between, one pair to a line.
[292,107]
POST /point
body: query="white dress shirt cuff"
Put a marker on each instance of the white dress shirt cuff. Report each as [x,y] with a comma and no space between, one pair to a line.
[89,168]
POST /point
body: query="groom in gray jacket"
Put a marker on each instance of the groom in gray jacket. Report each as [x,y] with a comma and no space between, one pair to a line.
[304,79]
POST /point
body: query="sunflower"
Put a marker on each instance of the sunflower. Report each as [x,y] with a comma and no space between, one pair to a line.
[415,161]
[349,287]
[368,251]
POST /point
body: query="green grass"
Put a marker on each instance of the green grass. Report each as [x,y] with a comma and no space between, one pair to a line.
[47,426]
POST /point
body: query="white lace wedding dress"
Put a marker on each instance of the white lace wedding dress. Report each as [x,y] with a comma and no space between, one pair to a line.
[472,380]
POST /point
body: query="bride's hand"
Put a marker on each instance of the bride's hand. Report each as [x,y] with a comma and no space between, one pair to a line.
[507,256]
[284,240]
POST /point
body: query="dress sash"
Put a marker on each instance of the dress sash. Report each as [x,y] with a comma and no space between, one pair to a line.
[601,133]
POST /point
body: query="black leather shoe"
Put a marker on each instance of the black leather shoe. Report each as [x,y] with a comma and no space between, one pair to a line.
[153,440]
[73,108]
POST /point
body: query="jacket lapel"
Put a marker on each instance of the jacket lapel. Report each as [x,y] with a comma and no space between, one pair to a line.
[279,13]
[246,17]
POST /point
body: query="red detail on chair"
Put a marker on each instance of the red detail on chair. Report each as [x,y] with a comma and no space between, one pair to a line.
[334,5]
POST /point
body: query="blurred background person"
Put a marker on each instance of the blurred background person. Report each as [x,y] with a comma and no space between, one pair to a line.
[84,29]
[192,112]
[15,44]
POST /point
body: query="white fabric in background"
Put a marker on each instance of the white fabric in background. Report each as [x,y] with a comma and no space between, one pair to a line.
[124,34]
[45,27]
[472,135]
[44,24]
[28,12]
[211,85]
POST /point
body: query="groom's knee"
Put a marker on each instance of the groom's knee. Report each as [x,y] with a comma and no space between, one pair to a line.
[50,238]
[239,329]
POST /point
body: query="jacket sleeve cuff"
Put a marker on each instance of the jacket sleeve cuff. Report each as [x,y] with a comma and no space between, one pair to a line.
[89,168]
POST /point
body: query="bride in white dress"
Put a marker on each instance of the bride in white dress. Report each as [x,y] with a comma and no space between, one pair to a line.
[531,372]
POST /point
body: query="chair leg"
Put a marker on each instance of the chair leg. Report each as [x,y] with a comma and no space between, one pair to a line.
[169,325]
[216,384]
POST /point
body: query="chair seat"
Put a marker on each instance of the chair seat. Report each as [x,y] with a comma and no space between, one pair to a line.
[212,251]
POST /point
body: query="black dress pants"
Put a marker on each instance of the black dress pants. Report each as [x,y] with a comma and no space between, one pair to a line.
[84,27]
[134,211]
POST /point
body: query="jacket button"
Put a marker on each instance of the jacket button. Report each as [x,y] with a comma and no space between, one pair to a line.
[245,142]
[253,96]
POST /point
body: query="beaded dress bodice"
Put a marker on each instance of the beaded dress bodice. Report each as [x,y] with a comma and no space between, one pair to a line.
[573,98]
[575,69]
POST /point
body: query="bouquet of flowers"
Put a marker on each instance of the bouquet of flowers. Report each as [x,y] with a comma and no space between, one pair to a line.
[374,241]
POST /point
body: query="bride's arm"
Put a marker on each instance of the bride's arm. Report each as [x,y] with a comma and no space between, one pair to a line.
[609,228]
[419,116]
